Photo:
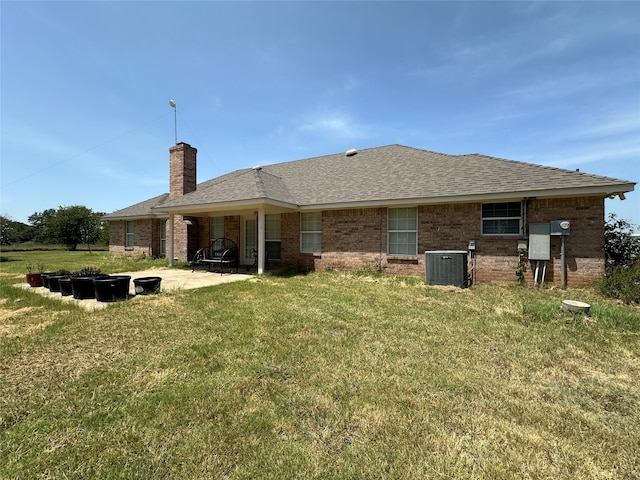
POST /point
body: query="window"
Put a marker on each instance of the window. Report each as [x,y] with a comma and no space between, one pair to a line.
[501,218]
[403,231]
[272,236]
[129,238]
[311,232]
[217,228]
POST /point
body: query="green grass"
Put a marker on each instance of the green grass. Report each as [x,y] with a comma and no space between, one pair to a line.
[15,261]
[325,375]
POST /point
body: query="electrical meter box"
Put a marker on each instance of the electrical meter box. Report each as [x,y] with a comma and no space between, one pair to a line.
[539,241]
[560,227]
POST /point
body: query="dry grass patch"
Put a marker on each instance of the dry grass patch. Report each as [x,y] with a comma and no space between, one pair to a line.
[323,376]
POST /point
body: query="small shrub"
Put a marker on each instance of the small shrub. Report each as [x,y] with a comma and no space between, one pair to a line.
[88,272]
[62,271]
[369,270]
[622,283]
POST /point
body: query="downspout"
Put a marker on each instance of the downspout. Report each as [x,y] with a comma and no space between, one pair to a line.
[170,239]
[563,264]
[380,241]
[261,241]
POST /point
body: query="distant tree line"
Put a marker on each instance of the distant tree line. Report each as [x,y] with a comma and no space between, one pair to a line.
[70,226]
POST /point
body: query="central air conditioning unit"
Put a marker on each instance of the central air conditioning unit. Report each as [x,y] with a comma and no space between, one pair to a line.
[446,267]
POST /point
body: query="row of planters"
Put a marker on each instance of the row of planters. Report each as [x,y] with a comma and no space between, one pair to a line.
[91,283]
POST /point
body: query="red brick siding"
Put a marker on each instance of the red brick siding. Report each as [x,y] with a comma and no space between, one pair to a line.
[232,228]
[584,246]
[290,244]
[353,239]
[357,238]
[146,237]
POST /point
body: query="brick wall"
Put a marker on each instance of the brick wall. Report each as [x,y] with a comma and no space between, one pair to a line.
[146,235]
[290,245]
[357,238]
[584,246]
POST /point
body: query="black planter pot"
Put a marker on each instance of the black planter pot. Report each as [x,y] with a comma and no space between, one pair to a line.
[45,278]
[147,285]
[54,282]
[112,288]
[65,286]
[82,287]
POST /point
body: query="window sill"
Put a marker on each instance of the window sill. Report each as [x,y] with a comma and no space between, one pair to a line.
[407,259]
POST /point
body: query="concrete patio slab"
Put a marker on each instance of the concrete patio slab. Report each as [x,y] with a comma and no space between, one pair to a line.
[172,279]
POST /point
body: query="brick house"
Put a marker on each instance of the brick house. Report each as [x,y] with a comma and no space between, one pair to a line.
[380,208]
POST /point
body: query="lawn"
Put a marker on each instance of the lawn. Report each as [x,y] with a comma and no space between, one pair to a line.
[327,375]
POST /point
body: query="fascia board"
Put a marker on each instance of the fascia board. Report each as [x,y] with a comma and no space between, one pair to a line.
[605,190]
[506,196]
[225,206]
[152,216]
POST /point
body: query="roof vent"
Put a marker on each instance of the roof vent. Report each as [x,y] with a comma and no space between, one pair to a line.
[257,167]
[350,153]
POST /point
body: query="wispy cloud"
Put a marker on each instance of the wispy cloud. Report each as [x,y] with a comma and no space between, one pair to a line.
[333,122]
[616,125]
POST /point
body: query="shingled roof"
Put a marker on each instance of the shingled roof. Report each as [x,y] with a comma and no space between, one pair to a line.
[389,175]
[139,210]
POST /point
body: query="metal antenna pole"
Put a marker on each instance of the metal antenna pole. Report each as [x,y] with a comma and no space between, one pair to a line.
[172,103]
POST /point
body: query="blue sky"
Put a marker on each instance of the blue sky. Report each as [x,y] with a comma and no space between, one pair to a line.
[85,89]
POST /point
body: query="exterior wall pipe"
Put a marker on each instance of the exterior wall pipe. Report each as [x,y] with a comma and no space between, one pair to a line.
[171,240]
[563,264]
[261,241]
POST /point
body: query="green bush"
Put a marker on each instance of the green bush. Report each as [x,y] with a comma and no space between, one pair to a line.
[622,283]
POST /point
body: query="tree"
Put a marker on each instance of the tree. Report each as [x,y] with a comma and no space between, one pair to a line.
[39,222]
[74,225]
[622,249]
[5,231]
[14,232]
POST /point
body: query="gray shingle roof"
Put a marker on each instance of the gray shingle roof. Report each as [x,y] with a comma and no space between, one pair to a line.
[139,210]
[393,173]
[389,174]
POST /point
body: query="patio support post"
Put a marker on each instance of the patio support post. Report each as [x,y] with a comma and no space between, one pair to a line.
[261,244]
[170,252]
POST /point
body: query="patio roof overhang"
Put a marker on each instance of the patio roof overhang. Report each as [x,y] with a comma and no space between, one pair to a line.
[147,216]
[227,208]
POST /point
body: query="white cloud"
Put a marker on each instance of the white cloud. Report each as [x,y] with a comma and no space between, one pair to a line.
[333,122]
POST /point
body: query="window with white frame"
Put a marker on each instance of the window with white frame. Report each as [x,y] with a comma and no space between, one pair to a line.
[129,236]
[402,227]
[311,232]
[502,218]
[217,227]
[272,236]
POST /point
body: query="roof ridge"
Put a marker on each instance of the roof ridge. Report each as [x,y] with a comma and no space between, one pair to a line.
[425,150]
[259,182]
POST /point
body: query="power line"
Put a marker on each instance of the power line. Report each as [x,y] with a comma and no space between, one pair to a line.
[48,167]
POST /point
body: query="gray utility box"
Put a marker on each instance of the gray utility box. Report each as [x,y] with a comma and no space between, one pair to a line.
[446,267]
[539,242]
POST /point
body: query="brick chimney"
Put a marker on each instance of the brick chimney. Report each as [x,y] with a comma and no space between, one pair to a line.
[182,180]
[182,169]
